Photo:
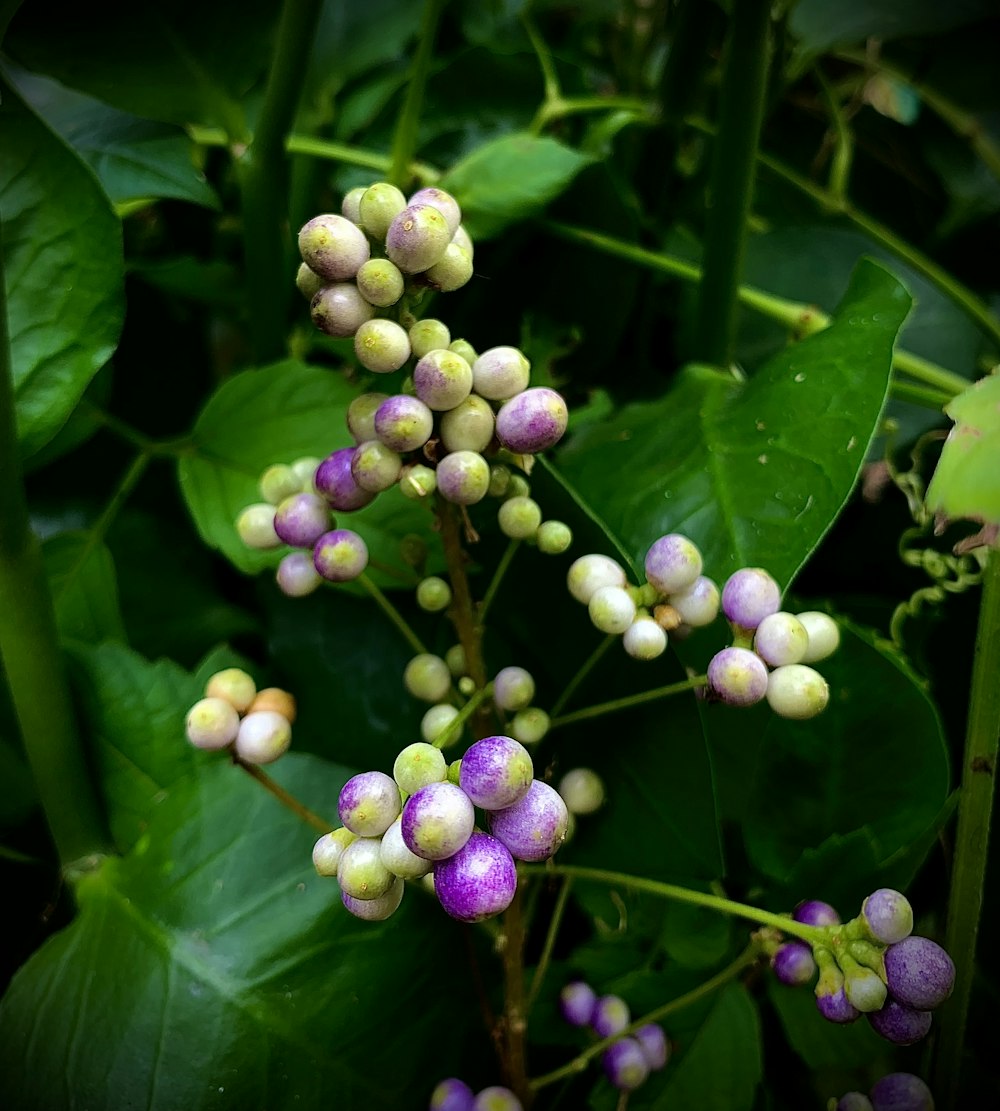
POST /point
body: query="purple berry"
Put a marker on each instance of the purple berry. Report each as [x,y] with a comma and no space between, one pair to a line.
[451,1095]
[793,963]
[496,772]
[340,310]
[888,915]
[417,238]
[576,1003]
[654,1045]
[442,379]
[403,423]
[377,909]
[900,1025]
[611,1016]
[333,247]
[340,555]
[749,596]
[919,973]
[297,576]
[437,821]
[533,421]
[836,1007]
[673,563]
[901,1091]
[369,803]
[478,881]
[335,482]
[301,519]
[625,1064]
[737,676]
[814,912]
[535,826]
[854,1101]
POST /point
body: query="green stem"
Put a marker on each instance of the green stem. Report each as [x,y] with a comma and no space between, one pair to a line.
[741,114]
[505,560]
[586,668]
[720,979]
[264,181]
[300,810]
[972,835]
[843,148]
[628,702]
[462,612]
[798,317]
[550,942]
[133,436]
[393,614]
[930,398]
[811,934]
[404,139]
[550,78]
[30,655]
[463,715]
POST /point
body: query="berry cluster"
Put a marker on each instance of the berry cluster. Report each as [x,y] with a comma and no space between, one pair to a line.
[873,965]
[629,1060]
[256,725]
[456,1095]
[899,1091]
[423,821]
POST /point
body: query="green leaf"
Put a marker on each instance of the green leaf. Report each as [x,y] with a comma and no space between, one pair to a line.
[18,797]
[722,1067]
[820,24]
[510,179]
[875,759]
[966,480]
[276,415]
[755,472]
[696,937]
[821,1044]
[84,590]
[62,247]
[213,968]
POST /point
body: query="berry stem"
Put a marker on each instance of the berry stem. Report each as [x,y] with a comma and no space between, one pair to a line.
[843,138]
[550,941]
[498,574]
[392,613]
[930,397]
[404,139]
[586,668]
[810,934]
[630,701]
[972,835]
[31,658]
[462,611]
[515,1020]
[720,979]
[463,715]
[286,799]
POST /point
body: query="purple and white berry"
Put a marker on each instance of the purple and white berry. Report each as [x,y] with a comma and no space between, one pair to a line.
[403,423]
[644,639]
[444,202]
[428,335]
[433,594]
[380,204]
[553,537]
[698,604]
[478,881]
[625,1064]
[255,527]
[434,725]
[529,725]
[900,1025]
[534,827]
[673,563]
[398,858]
[427,677]
[814,912]
[327,850]
[360,871]
[380,282]
[437,821]
[340,555]
[781,638]
[519,518]
[381,346]
[497,1098]
[901,1091]
[369,803]
[361,415]
[333,247]
[836,1007]
[919,973]
[451,271]
[611,609]
[463,477]
[495,772]
[749,596]
[212,724]
[296,575]
[611,1016]
[417,238]
[654,1045]
[340,310]
[793,963]
[379,908]
[417,765]
[278,482]
[582,789]
[263,736]
[854,1101]
[533,421]
[302,519]
[888,915]
[501,373]
[375,467]
[451,1095]
[513,688]
[576,1003]
[589,573]
[417,481]
[442,379]
[797,692]
[737,676]
[823,635]
[469,426]
[335,482]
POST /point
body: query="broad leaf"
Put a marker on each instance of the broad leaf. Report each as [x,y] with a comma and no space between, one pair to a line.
[820,24]
[754,471]
[821,1044]
[84,591]
[62,250]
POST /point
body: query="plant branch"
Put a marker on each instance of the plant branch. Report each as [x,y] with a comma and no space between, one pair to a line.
[462,612]
[979,774]
[550,941]
[498,574]
[843,142]
[300,810]
[392,613]
[629,701]
[463,715]
[515,1022]
[586,668]
[404,139]
[927,396]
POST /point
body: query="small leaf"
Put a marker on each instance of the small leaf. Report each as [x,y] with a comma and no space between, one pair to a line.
[821,1044]
[509,179]
[84,589]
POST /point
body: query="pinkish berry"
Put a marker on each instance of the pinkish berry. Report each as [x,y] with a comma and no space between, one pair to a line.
[437,821]
[444,202]
[379,908]
[417,238]
[451,1095]
[673,563]
[901,1091]
[533,421]
[611,1016]
[749,596]
[576,1003]
[463,477]
[513,688]
[919,973]
[814,912]
[333,247]
[836,1007]
[340,310]
[793,963]
[340,555]
[478,881]
[654,1045]
[888,915]
[442,379]
[625,1064]
[737,676]
[403,423]
[297,576]
[535,826]
[369,803]
[335,482]
[900,1025]
[496,772]
[302,519]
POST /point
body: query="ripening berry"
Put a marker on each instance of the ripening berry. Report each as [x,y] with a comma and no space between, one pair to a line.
[340,555]
[380,282]
[590,572]
[361,416]
[235,686]
[442,379]
[900,1025]
[381,346]
[534,827]
[403,423]
[340,310]
[360,871]
[369,803]
[435,722]
[513,688]
[644,639]
[625,1064]
[749,596]
[327,850]
[469,426]
[529,725]
[417,765]
[308,282]
[464,240]
[796,691]
[417,238]
[380,204]
[853,1101]
[212,723]
[864,988]
[823,634]
[444,202]
[793,963]
[496,772]
[335,482]
[376,910]
[263,736]
[501,373]
[429,335]
[888,915]
[301,519]
[919,973]
[737,677]
[451,1095]
[463,477]
[333,247]
[398,858]
[279,482]
[781,639]
[452,270]
[274,698]
[582,790]
[553,537]
[433,594]
[375,467]
[611,1016]
[427,677]
[673,563]
[698,605]
[576,1003]
[901,1091]
[519,518]
[351,202]
[654,1045]
[533,421]
[814,912]
[417,481]
[478,881]
[437,820]
[611,609]
[255,526]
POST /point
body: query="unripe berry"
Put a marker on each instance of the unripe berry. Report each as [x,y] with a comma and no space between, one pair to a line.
[529,725]
[327,850]
[455,659]
[381,346]
[793,963]
[361,416]
[519,518]
[864,988]
[340,555]
[403,423]
[349,206]
[497,1098]
[340,310]
[888,915]
[654,1045]
[442,379]
[452,270]
[360,871]
[900,1025]
[304,470]
[823,635]
[427,677]
[235,686]
[853,1101]
[611,609]
[212,723]
[576,1003]
[673,563]
[375,467]
[433,594]
[335,482]
[255,526]
[467,686]
[901,1091]
[582,789]
[379,909]
[308,282]
[444,202]
[463,477]
[534,827]
[533,421]
[553,537]
[464,240]
[435,722]
[796,691]
[611,1016]
[469,426]
[478,881]
[499,480]
[698,605]
[517,487]
[589,573]
[380,282]
[263,736]
[737,677]
[465,349]
[417,481]
[451,1095]
[501,373]
[417,765]
[380,204]
[437,821]
[279,482]
[274,698]
[644,639]
[919,973]
[429,335]
[513,688]
[417,238]
[455,772]
[625,1064]
[397,857]
[496,772]
[333,247]
[781,639]
[302,519]
[749,596]
[369,803]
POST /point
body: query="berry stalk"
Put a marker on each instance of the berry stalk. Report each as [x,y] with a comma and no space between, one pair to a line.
[631,700]
[300,810]
[404,140]
[392,613]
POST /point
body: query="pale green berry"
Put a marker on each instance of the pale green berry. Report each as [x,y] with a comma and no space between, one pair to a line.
[644,639]
[499,480]
[375,467]
[279,482]
[553,537]
[361,415]
[380,204]
[255,526]
[428,335]
[462,239]
[398,858]
[381,346]
[434,725]
[467,686]
[417,765]
[465,349]
[611,609]
[589,573]
[427,677]
[455,772]
[455,659]
[451,271]
[417,481]
[796,691]
[350,205]
[263,736]
[463,477]
[469,426]
[529,726]
[433,594]
[212,723]
[582,790]
[327,850]
[518,487]
[308,282]
[305,471]
[519,518]
[823,634]
[780,639]
[513,688]
[235,686]
[380,282]
[360,871]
